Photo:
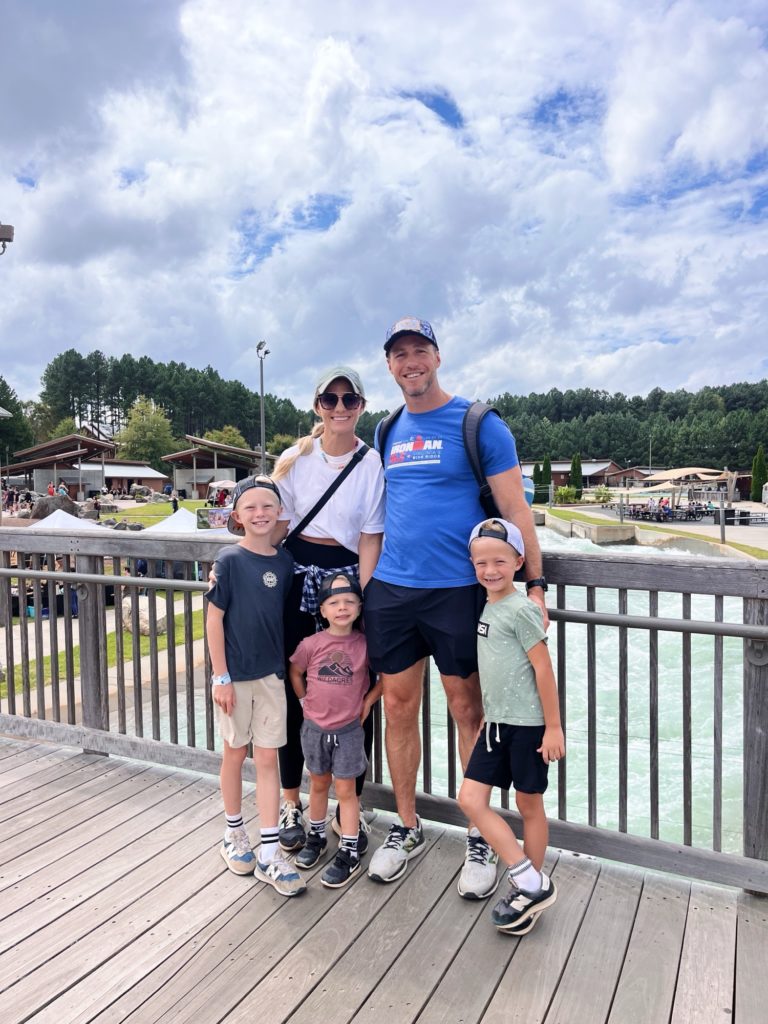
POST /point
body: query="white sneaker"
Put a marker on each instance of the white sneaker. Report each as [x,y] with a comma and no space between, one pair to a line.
[236,851]
[479,877]
[390,860]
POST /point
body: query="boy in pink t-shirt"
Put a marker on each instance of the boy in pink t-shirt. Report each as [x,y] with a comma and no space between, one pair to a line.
[330,675]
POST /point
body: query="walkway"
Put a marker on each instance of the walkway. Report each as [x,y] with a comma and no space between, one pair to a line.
[115,906]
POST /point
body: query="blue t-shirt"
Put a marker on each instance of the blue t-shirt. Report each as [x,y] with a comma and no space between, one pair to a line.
[432,497]
[251,590]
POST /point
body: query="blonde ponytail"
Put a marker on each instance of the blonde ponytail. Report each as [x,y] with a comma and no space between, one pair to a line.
[304,447]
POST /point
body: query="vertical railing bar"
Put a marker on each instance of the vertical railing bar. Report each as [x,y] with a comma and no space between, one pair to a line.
[687,735]
[426,730]
[53,642]
[154,674]
[117,569]
[189,661]
[591,713]
[170,618]
[69,646]
[562,674]
[717,737]
[37,600]
[138,705]
[10,667]
[207,696]
[653,713]
[101,593]
[623,713]
[378,743]
[26,681]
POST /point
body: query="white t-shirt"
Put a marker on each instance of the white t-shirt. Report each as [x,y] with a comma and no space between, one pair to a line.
[356,507]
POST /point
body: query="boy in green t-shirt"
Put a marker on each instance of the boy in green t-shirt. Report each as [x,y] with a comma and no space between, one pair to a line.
[521,732]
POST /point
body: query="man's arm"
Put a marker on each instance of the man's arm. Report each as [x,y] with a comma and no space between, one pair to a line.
[369,550]
[508,493]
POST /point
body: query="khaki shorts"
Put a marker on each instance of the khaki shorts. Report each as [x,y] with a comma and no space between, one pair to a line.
[258,715]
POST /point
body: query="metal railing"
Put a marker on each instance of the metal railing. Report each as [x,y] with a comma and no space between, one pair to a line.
[74,674]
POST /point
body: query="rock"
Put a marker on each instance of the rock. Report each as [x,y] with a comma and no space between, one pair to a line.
[143,616]
[49,503]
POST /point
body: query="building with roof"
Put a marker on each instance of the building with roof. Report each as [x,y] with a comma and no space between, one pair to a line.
[594,472]
[204,461]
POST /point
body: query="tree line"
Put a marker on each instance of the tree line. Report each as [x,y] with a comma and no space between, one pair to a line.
[716,426]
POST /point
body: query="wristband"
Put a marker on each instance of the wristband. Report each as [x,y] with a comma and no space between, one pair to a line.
[540,581]
[223,680]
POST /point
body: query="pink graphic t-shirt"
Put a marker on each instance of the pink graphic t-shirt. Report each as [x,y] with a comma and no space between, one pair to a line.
[337,677]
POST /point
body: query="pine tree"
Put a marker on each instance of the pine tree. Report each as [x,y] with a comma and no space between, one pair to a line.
[759,474]
[546,477]
[576,479]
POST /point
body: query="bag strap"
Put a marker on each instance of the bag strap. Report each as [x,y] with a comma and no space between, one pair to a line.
[470,429]
[323,499]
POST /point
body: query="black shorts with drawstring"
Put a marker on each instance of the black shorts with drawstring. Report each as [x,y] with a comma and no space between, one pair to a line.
[513,760]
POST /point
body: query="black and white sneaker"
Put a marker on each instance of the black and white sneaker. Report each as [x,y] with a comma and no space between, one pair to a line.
[516,909]
[291,835]
[342,870]
[313,850]
[363,829]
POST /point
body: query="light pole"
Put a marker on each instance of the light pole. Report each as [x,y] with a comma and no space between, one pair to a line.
[6,236]
[262,352]
[4,415]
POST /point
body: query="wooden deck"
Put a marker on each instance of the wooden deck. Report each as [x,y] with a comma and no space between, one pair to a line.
[115,906]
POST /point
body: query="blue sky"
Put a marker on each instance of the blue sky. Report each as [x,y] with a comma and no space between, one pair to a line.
[574,195]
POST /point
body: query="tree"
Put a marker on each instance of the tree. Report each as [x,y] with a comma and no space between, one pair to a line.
[546,477]
[576,478]
[64,427]
[147,434]
[759,475]
[227,435]
[15,432]
[279,443]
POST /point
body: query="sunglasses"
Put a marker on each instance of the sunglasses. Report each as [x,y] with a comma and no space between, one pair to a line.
[328,400]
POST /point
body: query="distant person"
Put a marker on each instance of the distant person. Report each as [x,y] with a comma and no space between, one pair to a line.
[330,676]
[245,637]
[174,501]
[423,598]
[522,732]
[62,489]
[51,489]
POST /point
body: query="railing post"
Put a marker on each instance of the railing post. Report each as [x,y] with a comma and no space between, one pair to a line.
[92,677]
[756,734]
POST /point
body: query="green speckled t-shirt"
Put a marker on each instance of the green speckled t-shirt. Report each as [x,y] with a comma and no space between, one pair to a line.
[507,630]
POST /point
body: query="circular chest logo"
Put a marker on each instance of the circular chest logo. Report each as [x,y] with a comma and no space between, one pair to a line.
[269,579]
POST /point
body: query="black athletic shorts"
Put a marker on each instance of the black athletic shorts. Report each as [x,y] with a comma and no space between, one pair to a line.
[513,759]
[405,624]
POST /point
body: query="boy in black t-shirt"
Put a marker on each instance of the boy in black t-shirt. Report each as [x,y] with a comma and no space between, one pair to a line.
[245,638]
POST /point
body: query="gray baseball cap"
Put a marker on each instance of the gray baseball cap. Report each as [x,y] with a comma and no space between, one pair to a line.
[334,373]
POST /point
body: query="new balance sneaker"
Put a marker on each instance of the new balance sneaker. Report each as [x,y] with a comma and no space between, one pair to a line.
[313,850]
[363,830]
[479,877]
[517,908]
[391,859]
[292,834]
[236,851]
[281,876]
[341,871]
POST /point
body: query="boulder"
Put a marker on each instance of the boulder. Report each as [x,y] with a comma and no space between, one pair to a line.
[143,616]
[47,504]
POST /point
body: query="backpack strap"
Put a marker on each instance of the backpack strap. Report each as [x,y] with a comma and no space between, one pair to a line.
[470,429]
[382,431]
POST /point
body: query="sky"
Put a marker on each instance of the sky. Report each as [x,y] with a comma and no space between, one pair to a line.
[575,195]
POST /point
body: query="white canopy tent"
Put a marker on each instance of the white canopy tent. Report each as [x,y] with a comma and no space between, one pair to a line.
[61,520]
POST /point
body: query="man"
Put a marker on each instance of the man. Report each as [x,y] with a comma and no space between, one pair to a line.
[423,598]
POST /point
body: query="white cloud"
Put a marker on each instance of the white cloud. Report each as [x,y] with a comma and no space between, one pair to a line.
[188,178]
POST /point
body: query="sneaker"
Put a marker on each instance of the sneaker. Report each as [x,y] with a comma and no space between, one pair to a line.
[518,907]
[281,876]
[343,868]
[362,834]
[236,851]
[479,876]
[314,848]
[390,860]
[292,834]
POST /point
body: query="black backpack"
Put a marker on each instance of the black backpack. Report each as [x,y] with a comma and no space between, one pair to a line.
[470,427]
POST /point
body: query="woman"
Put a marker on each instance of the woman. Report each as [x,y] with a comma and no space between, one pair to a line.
[345,533]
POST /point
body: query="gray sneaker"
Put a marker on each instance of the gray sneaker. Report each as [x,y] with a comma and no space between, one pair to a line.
[236,851]
[479,877]
[281,876]
[292,834]
[391,859]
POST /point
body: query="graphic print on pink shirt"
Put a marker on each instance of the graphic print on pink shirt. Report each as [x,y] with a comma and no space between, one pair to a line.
[336,668]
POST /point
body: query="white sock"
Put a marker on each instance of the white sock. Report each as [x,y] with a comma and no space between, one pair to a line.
[525,876]
[269,848]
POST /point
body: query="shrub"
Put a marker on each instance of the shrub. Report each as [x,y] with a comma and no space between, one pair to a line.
[565,495]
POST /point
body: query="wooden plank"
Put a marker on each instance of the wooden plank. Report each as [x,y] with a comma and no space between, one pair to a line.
[646,987]
[483,957]
[55,959]
[27,754]
[47,786]
[78,874]
[705,982]
[282,982]
[403,952]
[589,979]
[525,991]
[751,995]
